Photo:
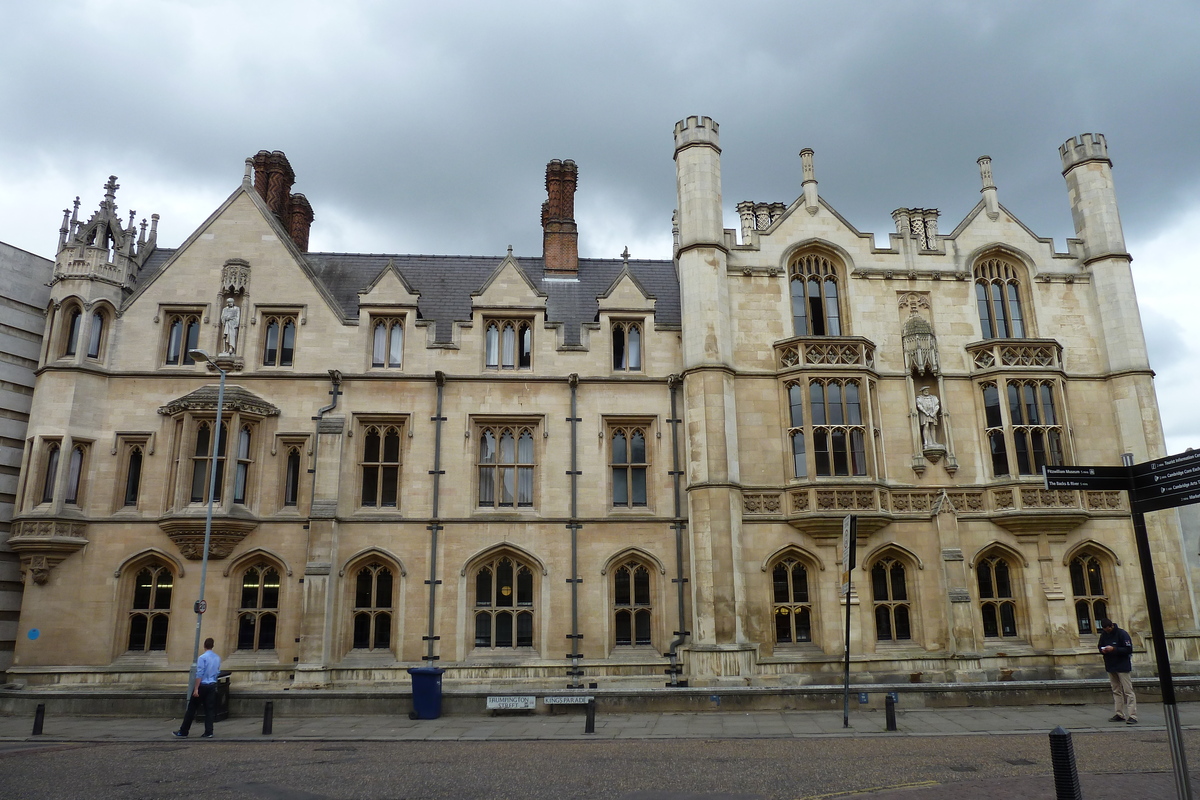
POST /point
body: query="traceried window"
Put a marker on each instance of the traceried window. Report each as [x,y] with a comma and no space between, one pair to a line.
[629,466]
[1091,598]
[241,476]
[387,342]
[373,604]
[631,604]
[997,603]
[506,464]
[835,437]
[258,612]
[50,473]
[183,335]
[998,295]
[627,346]
[503,608]
[73,490]
[74,324]
[1022,426]
[150,609]
[815,308]
[889,594]
[381,466]
[291,477]
[279,340]
[202,457]
[96,335]
[790,602]
[133,475]
[508,344]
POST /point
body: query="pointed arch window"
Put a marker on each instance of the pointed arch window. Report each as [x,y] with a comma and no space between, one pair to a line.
[183,336]
[291,477]
[279,340]
[258,612]
[504,603]
[627,346]
[201,458]
[508,344]
[150,609]
[998,297]
[816,308]
[632,606]
[629,466]
[73,493]
[50,473]
[791,602]
[997,599]
[387,342]
[96,336]
[133,475]
[374,600]
[74,323]
[241,480]
[506,466]
[889,595]
[1090,593]
[381,466]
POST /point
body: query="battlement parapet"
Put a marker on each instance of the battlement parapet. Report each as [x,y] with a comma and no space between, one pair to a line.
[697,130]
[1083,148]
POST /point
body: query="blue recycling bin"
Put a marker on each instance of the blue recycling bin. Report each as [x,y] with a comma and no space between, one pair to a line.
[426,692]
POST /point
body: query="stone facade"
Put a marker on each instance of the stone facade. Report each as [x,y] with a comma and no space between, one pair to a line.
[531,470]
[23,296]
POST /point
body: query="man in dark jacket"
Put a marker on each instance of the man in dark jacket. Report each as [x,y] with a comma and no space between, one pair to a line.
[1117,648]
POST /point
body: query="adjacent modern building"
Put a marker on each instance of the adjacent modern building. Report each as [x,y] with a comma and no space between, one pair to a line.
[544,470]
[24,294]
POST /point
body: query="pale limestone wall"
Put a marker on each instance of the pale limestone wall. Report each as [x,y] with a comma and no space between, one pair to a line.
[23,298]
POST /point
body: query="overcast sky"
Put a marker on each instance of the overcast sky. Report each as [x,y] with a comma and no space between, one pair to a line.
[426,127]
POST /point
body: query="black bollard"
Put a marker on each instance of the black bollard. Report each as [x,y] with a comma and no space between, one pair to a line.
[889,709]
[39,717]
[1062,756]
[268,718]
[589,720]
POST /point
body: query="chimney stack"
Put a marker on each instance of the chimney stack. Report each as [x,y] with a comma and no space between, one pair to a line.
[273,180]
[560,238]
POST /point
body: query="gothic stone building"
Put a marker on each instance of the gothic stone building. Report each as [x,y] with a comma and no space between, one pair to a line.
[545,470]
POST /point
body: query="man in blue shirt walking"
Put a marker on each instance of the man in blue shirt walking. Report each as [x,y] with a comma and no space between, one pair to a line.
[204,690]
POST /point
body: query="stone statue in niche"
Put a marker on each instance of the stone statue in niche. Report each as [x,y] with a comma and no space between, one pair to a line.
[231,320]
[929,408]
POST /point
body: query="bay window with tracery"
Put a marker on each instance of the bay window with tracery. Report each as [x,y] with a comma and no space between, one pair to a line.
[816,309]
[1023,425]
[506,466]
[503,607]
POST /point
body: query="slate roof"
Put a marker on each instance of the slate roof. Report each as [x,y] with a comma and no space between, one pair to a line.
[445,285]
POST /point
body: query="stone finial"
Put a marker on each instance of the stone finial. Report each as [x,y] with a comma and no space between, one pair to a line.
[990,204]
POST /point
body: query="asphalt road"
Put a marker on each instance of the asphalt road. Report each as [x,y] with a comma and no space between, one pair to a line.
[926,767]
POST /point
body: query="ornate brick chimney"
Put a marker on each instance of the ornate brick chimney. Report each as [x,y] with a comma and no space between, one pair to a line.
[560,238]
[273,179]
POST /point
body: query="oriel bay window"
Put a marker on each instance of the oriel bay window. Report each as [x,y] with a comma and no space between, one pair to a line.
[506,464]
[1022,425]
[835,436]
[814,286]
[503,610]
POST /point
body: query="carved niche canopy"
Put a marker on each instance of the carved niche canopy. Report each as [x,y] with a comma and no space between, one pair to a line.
[42,544]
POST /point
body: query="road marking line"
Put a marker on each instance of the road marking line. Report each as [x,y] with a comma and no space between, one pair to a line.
[915,785]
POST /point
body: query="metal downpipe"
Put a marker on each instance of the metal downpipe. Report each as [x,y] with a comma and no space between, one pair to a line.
[674,382]
[575,673]
[434,526]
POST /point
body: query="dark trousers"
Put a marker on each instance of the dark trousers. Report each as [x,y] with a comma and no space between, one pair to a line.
[207,698]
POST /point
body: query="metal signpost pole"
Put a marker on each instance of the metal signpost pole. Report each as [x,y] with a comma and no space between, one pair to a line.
[1183,789]
[849,551]
[208,517]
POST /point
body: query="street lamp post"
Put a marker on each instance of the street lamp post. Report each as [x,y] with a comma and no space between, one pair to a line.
[198,355]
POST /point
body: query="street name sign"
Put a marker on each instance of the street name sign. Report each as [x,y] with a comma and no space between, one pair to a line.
[1093,479]
[1167,482]
[511,703]
[567,699]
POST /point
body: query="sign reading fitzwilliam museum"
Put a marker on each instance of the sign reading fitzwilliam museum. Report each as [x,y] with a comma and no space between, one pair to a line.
[1152,485]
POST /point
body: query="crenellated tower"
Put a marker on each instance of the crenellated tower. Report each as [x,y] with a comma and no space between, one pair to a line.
[713,474]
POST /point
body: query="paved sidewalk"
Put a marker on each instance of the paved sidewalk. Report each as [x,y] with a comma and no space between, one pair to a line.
[570,725]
